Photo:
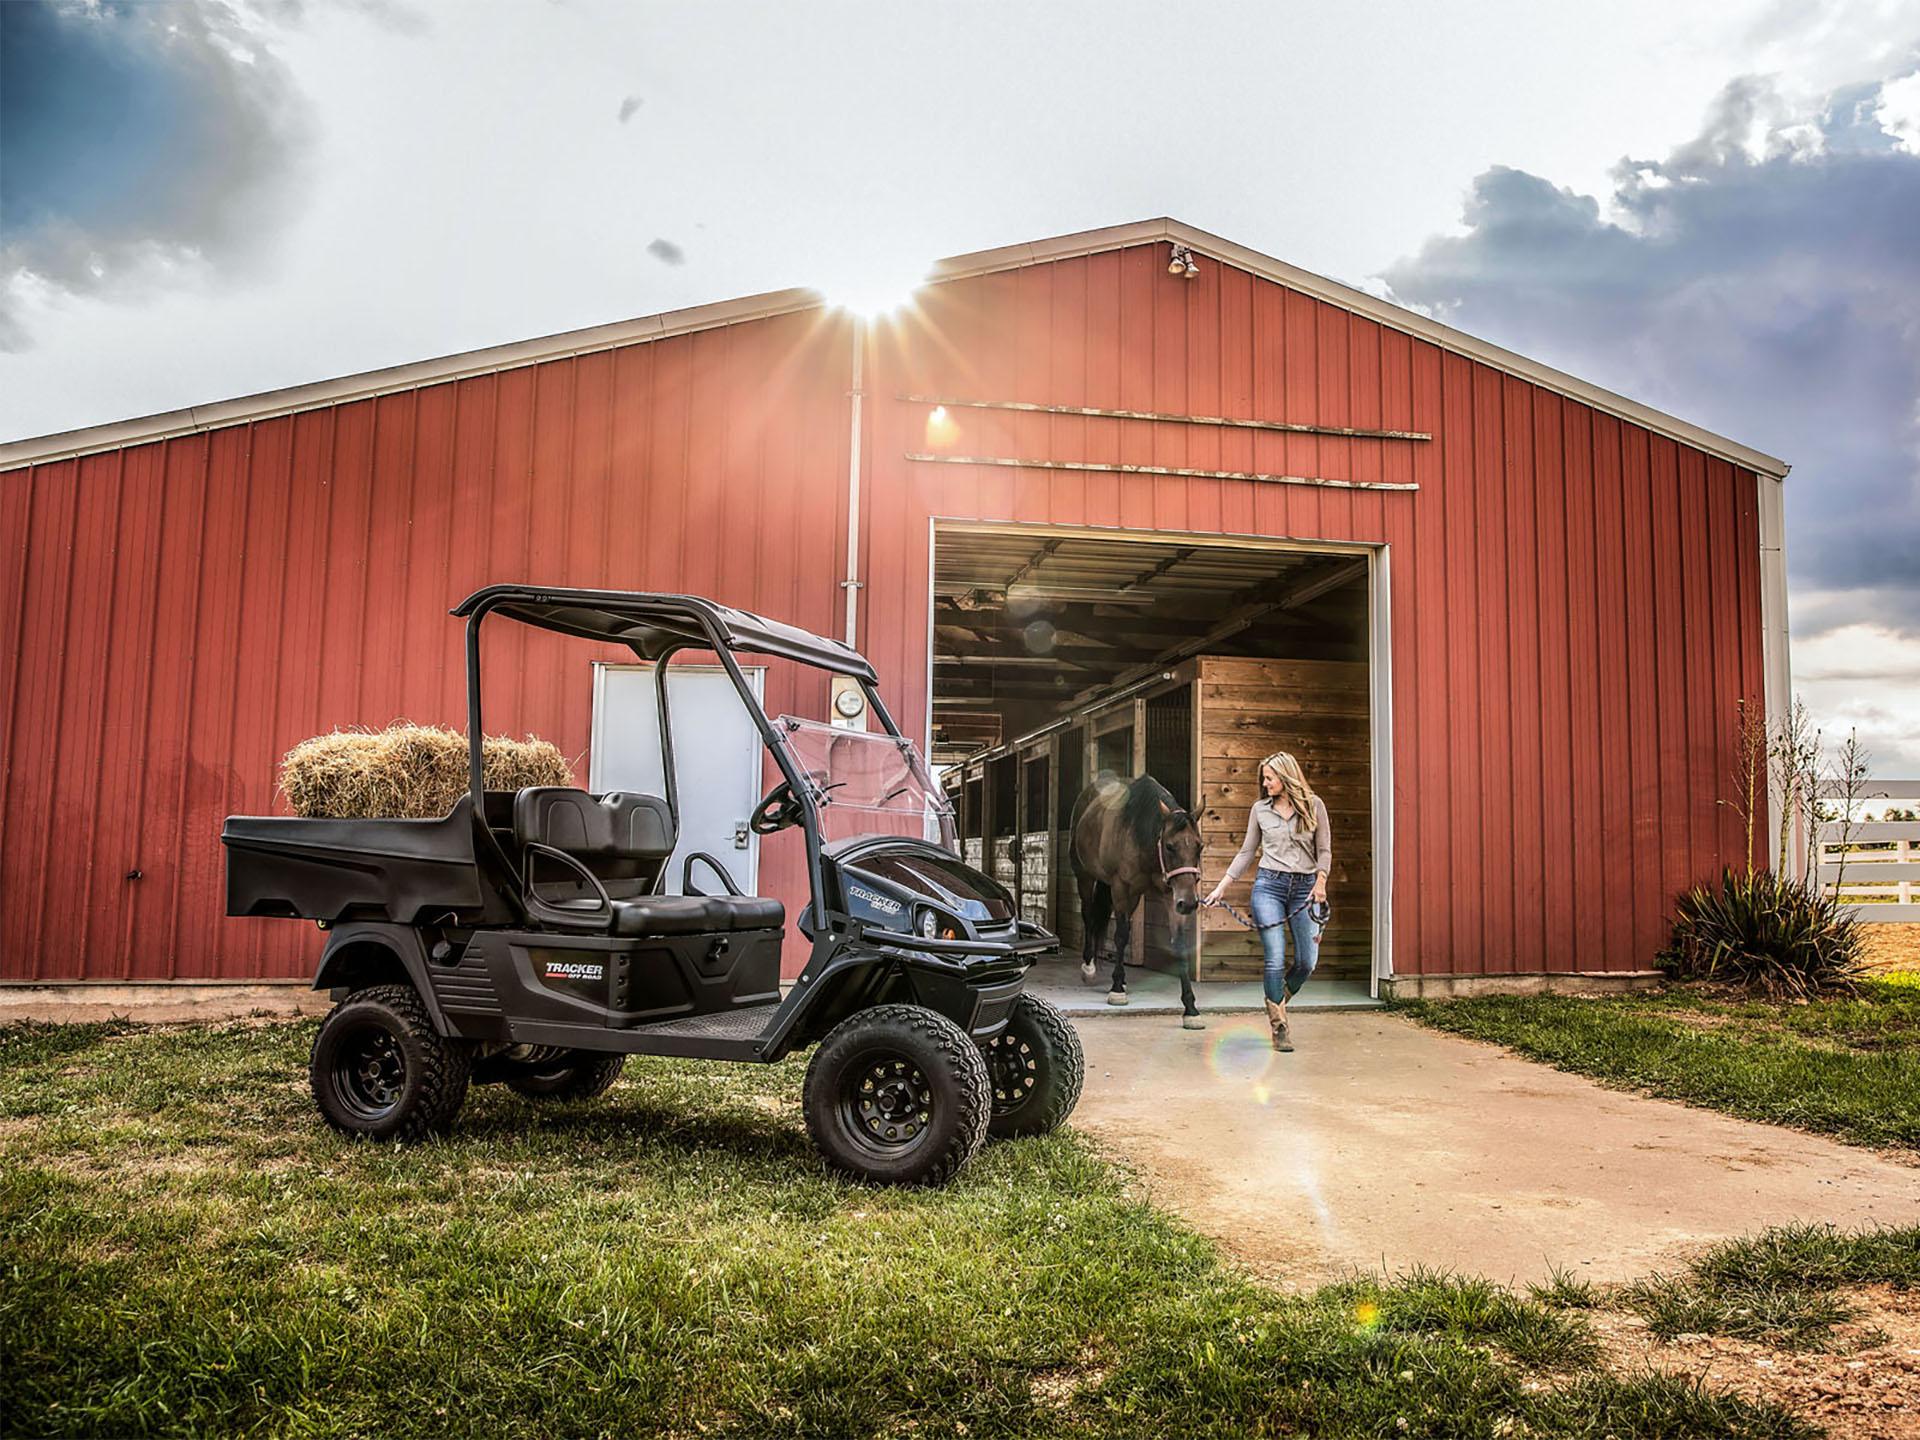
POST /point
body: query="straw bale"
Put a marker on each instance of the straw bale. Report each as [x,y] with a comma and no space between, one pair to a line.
[406,771]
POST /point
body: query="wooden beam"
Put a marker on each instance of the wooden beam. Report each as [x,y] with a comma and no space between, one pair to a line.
[1165,417]
[1016,463]
[1294,590]
[1147,577]
[1037,558]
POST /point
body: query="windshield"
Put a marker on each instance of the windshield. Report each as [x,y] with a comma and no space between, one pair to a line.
[866,783]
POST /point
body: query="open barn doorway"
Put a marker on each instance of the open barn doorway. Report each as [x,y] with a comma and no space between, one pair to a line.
[1058,654]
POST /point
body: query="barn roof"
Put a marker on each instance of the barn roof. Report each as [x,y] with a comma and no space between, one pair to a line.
[780,302]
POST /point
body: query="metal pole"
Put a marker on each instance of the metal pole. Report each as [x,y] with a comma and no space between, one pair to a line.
[857,394]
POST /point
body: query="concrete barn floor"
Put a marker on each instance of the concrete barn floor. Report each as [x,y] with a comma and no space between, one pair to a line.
[1380,1145]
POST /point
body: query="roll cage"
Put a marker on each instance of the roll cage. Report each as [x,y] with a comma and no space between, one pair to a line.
[656,627]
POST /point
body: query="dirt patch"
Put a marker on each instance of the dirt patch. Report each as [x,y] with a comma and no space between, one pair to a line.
[1891,947]
[1057,1389]
[1866,1386]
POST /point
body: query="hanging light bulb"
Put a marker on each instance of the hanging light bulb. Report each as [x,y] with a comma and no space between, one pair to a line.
[1178,264]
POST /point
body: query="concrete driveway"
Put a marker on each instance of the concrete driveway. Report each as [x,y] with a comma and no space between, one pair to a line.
[1379,1145]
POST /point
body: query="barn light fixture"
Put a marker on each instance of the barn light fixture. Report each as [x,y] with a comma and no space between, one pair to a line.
[1182,263]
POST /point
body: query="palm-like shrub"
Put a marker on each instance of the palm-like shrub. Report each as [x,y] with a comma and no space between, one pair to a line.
[1763,931]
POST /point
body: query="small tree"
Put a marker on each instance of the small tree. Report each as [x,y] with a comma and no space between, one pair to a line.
[1749,776]
[1847,784]
[1793,771]
[1778,930]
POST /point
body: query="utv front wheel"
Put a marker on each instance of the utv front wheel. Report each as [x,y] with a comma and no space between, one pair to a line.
[1036,1068]
[380,1070]
[897,1094]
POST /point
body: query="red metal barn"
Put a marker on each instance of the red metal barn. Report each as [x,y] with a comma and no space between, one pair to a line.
[1560,597]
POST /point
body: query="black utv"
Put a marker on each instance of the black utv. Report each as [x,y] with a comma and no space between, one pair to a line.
[527,938]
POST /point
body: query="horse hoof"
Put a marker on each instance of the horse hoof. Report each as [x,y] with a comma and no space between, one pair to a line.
[1192,1022]
[1087,973]
[1116,997]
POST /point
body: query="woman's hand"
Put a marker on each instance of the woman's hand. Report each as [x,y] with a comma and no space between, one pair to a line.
[1213,895]
[1319,896]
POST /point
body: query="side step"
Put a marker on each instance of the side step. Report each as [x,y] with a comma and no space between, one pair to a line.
[725,1035]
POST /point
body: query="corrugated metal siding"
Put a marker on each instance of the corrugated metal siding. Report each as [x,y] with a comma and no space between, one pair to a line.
[1575,602]
[177,615]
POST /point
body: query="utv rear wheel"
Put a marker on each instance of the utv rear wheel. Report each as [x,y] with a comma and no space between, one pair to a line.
[380,1070]
[571,1075]
[1036,1068]
[897,1094]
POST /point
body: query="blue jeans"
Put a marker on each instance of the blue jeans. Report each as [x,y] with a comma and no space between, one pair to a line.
[1278,895]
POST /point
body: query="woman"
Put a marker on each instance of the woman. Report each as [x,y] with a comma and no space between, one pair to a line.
[1289,827]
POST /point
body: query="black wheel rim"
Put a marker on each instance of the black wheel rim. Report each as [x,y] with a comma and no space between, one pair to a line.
[1013,1065]
[886,1102]
[369,1072]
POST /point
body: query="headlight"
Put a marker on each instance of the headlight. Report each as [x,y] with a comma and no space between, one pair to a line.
[936,924]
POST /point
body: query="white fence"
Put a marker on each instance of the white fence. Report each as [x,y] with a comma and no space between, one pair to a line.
[1881,874]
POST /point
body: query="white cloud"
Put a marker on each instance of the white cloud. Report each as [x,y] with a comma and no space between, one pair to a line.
[1899,111]
[1865,677]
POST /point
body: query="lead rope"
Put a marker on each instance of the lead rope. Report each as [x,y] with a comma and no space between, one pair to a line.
[1306,904]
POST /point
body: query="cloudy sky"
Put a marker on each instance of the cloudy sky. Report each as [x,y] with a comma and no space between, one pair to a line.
[1712,207]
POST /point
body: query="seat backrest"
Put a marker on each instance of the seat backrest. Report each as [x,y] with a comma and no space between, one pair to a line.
[618,836]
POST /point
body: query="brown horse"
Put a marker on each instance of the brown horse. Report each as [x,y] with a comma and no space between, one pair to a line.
[1131,840]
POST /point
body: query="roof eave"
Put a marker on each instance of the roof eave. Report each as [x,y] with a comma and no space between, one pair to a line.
[268,404]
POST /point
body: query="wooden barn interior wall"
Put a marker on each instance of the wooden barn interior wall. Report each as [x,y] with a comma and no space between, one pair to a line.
[1316,710]
[1575,602]
[1208,727]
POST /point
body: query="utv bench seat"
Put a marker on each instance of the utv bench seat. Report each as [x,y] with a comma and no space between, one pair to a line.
[685,914]
[623,839]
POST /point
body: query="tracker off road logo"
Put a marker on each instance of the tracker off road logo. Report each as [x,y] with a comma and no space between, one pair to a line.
[574,970]
[882,903]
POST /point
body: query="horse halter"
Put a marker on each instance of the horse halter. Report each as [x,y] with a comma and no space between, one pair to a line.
[1165,873]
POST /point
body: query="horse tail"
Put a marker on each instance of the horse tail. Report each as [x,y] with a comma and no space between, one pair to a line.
[1097,910]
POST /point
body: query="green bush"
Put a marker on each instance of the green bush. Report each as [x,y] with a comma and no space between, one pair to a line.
[1763,931]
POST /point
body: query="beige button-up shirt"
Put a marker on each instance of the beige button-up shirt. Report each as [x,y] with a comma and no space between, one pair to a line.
[1280,844]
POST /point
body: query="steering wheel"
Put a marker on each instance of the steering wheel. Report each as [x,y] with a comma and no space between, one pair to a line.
[776,811]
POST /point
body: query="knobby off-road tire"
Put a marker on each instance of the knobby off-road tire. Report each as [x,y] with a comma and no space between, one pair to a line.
[898,1094]
[380,1070]
[574,1075]
[1036,1068]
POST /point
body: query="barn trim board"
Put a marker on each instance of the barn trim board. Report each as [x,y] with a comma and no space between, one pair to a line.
[1378,660]
[1776,668]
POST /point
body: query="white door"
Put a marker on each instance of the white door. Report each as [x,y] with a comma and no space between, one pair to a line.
[716,753]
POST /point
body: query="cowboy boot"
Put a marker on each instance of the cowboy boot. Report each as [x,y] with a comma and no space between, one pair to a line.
[1277,1019]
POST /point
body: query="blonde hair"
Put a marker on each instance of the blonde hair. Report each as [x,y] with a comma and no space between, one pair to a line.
[1293,784]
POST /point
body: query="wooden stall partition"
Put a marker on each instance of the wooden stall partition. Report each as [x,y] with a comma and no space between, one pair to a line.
[1317,711]
[973,817]
[1166,939]
[1071,773]
[1037,830]
[1003,821]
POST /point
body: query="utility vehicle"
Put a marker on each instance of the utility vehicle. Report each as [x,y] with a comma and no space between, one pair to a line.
[526,938]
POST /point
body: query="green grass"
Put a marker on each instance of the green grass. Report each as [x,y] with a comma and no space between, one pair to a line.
[1780,1288]
[185,1250]
[1846,1067]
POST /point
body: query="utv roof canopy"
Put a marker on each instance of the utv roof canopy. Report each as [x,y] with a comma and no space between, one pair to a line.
[652,625]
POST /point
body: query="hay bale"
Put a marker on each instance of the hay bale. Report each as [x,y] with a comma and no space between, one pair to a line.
[406,772]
